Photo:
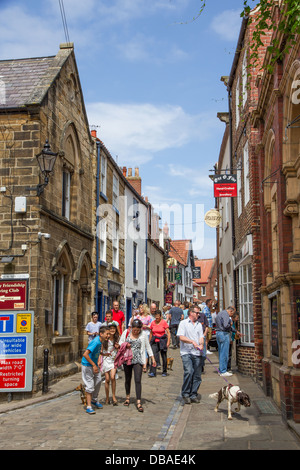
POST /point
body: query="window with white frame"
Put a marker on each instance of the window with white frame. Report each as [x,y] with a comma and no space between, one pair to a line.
[237,103]
[115,247]
[244,79]
[246,304]
[103,168]
[115,195]
[66,190]
[102,239]
[239,187]
[246,175]
[203,291]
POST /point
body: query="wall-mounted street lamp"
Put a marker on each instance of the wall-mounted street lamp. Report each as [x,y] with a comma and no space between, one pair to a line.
[46,160]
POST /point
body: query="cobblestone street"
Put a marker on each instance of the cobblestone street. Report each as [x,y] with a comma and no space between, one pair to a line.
[62,424]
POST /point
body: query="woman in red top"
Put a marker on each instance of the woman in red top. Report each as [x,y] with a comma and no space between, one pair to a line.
[160,341]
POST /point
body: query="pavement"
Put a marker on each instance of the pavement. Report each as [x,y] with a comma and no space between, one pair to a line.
[166,424]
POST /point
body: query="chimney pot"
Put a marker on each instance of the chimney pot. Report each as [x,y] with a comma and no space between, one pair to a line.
[124,171]
[94,133]
[129,171]
[136,172]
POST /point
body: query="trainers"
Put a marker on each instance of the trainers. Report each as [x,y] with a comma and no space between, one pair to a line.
[97,404]
[226,374]
[187,400]
[90,411]
[164,374]
[208,352]
[151,374]
[195,400]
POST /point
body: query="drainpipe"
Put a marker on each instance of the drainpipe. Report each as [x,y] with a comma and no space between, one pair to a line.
[97,224]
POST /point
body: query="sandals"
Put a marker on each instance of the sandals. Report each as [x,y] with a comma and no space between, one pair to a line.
[126,402]
[115,403]
[139,407]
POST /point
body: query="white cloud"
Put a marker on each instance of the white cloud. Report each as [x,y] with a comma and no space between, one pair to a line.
[199,183]
[142,48]
[227,24]
[141,130]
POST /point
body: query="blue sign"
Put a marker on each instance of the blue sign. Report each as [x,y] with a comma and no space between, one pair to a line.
[6,323]
[13,345]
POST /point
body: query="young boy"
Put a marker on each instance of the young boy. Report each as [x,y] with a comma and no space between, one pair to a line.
[93,327]
[91,374]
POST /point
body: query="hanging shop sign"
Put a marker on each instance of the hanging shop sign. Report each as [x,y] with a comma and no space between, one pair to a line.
[213,219]
[197,272]
[225,186]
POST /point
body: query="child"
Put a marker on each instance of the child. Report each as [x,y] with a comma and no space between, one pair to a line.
[109,320]
[109,352]
[91,374]
[92,328]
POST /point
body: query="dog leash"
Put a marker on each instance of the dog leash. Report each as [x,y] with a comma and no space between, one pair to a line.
[215,367]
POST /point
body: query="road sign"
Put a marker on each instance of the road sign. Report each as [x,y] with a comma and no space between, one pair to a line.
[16,351]
[13,295]
[6,323]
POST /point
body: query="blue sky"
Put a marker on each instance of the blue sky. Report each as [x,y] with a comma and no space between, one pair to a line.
[150,76]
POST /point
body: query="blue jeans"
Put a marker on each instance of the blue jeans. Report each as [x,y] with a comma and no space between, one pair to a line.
[223,340]
[192,368]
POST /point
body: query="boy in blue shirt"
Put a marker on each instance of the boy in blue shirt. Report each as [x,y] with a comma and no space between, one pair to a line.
[91,374]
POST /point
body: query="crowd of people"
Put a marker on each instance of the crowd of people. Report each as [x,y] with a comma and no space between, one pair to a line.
[143,347]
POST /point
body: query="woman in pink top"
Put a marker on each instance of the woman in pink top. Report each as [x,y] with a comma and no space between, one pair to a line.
[160,341]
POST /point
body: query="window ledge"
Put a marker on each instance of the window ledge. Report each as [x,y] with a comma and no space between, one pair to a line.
[103,196]
[115,270]
[62,339]
[103,263]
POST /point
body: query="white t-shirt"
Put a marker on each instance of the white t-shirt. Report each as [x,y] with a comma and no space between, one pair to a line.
[92,327]
[191,331]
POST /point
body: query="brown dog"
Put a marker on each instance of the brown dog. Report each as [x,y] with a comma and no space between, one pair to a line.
[170,363]
[82,391]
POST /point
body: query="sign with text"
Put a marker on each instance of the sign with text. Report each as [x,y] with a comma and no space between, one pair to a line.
[16,351]
[225,186]
[13,295]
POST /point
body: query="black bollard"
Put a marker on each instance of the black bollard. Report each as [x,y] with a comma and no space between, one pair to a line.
[46,372]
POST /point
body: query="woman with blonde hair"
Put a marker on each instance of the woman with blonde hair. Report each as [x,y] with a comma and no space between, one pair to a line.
[146,319]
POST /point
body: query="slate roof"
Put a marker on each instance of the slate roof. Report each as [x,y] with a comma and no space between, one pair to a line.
[26,81]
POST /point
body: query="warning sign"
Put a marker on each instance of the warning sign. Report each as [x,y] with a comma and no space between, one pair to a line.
[12,373]
[23,323]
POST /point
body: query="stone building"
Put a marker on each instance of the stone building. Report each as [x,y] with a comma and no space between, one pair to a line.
[43,101]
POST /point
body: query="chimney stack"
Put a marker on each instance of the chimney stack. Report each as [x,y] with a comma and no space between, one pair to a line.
[135,181]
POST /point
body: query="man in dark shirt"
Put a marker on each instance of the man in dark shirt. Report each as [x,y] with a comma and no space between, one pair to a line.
[223,333]
[175,315]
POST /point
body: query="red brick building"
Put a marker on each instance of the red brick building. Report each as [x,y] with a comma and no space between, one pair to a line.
[264,123]
[277,120]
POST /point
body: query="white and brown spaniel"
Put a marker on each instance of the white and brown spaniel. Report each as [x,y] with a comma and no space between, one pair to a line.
[233,394]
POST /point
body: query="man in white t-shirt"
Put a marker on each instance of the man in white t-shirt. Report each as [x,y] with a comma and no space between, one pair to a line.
[191,338]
